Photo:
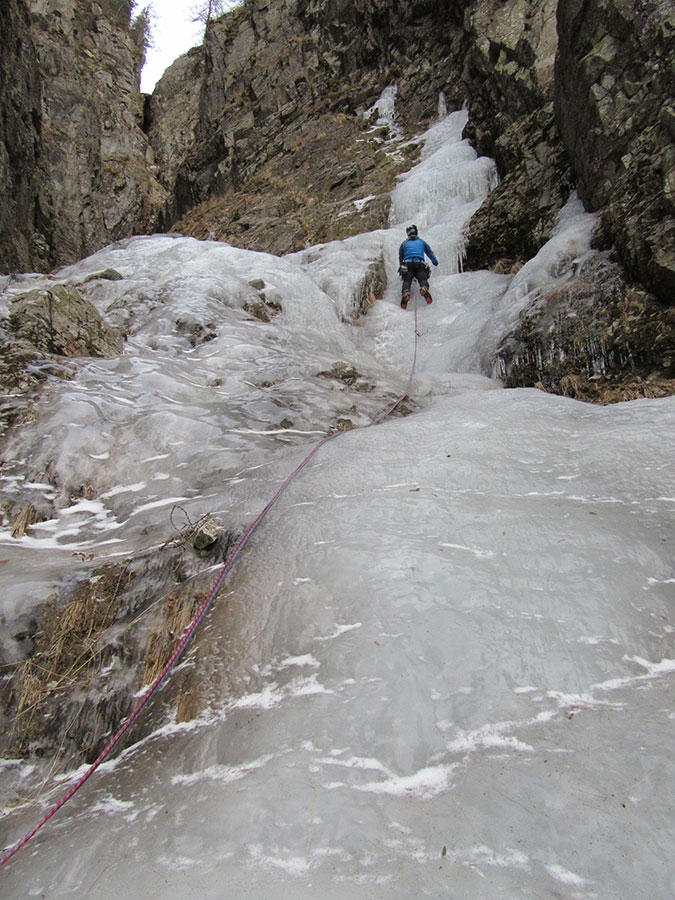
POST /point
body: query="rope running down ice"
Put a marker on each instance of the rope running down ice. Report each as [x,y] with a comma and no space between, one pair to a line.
[192,627]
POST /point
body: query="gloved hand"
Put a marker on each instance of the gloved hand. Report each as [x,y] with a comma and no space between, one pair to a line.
[435,263]
[402,270]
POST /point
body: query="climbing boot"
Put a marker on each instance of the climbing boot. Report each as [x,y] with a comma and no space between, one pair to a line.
[425,293]
[405,299]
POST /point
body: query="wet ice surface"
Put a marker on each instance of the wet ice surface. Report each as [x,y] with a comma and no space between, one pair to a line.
[442,666]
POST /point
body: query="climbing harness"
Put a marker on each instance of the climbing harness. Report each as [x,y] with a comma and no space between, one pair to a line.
[192,627]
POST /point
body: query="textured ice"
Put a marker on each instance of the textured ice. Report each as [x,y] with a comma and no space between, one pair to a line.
[443,667]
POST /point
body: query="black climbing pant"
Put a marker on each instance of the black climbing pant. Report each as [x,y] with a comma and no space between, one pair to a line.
[415,270]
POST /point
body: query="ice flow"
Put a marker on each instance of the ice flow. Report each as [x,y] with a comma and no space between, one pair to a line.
[442,666]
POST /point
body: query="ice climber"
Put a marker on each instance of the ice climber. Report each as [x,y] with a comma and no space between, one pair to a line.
[411,255]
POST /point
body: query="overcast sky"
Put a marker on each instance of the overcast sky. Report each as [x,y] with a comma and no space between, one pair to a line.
[172,35]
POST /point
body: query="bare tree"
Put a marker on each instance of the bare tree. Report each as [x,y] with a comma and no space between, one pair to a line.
[207,10]
[140,29]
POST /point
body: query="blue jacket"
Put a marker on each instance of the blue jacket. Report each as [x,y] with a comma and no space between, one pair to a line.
[413,250]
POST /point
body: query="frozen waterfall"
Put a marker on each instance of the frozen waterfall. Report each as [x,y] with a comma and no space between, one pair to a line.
[443,667]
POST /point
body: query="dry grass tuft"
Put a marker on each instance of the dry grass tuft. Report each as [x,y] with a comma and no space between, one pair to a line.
[65,649]
[178,613]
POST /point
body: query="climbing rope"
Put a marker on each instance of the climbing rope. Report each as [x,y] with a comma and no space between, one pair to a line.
[194,624]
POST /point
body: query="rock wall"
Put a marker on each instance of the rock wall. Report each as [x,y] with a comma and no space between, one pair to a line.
[615,108]
[509,74]
[596,338]
[273,150]
[86,177]
[571,94]
[601,122]
[609,132]
[20,126]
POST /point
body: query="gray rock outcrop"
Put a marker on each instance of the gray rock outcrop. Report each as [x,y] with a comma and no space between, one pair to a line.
[60,320]
[596,338]
[277,148]
[46,329]
[77,169]
[615,108]
[509,73]
[20,124]
[603,124]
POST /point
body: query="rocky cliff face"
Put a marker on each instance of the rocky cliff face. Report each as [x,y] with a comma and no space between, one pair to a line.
[79,164]
[276,153]
[276,146]
[509,73]
[20,124]
[615,108]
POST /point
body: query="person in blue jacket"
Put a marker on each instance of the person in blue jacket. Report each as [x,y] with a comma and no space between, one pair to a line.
[411,255]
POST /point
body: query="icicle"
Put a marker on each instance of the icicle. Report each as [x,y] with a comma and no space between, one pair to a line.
[442,106]
[385,107]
